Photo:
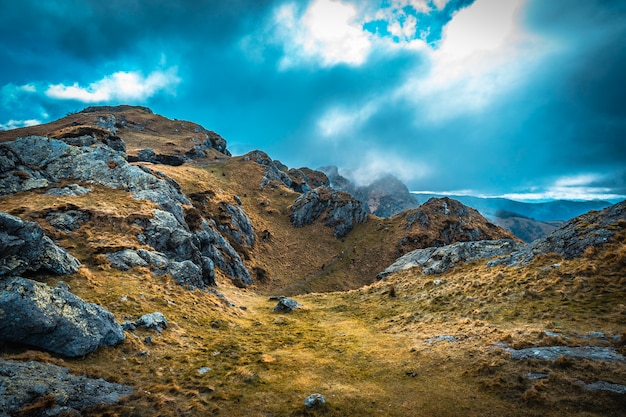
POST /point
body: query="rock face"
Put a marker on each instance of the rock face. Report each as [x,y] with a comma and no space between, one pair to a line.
[24,247]
[435,260]
[54,319]
[235,222]
[570,240]
[337,209]
[25,383]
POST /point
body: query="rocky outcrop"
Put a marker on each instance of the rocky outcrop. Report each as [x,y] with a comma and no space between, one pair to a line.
[37,162]
[338,210]
[273,175]
[24,247]
[570,240]
[189,257]
[53,388]
[54,319]
[186,273]
[300,180]
[214,247]
[435,260]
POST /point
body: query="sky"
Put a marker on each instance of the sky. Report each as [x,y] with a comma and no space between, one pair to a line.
[524,99]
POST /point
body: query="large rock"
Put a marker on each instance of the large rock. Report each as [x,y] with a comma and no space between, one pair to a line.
[27,383]
[339,210]
[24,247]
[273,175]
[276,173]
[435,260]
[571,239]
[54,319]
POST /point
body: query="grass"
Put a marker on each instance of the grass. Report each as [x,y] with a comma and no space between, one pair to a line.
[365,350]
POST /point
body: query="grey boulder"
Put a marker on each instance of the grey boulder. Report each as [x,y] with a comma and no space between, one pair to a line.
[339,211]
[54,319]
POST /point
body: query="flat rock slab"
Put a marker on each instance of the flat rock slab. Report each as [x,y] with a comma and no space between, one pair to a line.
[24,383]
[552,353]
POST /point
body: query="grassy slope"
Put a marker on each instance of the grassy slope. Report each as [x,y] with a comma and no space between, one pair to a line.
[365,350]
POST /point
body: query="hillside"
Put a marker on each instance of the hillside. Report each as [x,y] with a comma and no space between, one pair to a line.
[204,238]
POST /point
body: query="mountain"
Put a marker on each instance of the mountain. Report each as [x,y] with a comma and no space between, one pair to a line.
[383,197]
[552,211]
[144,271]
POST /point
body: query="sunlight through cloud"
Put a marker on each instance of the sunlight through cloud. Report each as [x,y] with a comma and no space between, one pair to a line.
[326,33]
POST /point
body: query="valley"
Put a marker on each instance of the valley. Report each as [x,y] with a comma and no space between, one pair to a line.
[207,239]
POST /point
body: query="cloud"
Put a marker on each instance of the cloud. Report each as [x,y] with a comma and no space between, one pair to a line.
[375,164]
[326,34]
[119,86]
[484,54]
[588,186]
[14,124]
[338,121]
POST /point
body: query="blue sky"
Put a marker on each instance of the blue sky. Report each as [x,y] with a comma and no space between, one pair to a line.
[517,98]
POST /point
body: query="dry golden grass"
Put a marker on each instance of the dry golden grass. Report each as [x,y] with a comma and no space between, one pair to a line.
[365,350]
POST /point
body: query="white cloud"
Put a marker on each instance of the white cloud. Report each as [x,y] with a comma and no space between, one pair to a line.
[327,34]
[377,163]
[576,187]
[119,86]
[485,52]
[338,121]
[14,124]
